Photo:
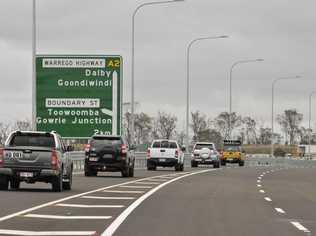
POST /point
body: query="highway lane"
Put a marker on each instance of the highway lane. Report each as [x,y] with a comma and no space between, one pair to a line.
[227,202]
[199,201]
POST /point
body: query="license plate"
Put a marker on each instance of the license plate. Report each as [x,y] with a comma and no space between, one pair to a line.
[162,160]
[26,174]
[93,159]
[229,159]
[16,155]
[107,156]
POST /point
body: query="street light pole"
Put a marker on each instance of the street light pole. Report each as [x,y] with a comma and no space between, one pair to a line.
[133,61]
[309,123]
[272,109]
[34,65]
[230,88]
[188,82]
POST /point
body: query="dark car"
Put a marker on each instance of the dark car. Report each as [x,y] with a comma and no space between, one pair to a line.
[109,153]
[31,157]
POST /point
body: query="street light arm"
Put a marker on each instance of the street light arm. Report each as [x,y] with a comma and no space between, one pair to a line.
[153,3]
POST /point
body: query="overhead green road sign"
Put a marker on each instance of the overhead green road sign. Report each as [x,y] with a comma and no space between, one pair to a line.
[79,96]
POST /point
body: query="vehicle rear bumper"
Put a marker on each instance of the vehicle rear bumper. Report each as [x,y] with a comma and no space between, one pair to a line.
[168,162]
[232,160]
[38,175]
[205,161]
[106,166]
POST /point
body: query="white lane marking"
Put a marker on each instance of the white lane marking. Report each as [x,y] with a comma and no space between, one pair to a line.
[259,185]
[45,233]
[261,175]
[23,212]
[268,199]
[300,227]
[119,191]
[108,198]
[260,178]
[158,180]
[261,191]
[147,183]
[279,210]
[166,177]
[68,217]
[120,219]
[89,206]
[135,186]
[258,181]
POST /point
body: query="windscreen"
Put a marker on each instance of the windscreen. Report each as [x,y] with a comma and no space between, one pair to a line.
[105,141]
[232,148]
[204,145]
[34,140]
[165,144]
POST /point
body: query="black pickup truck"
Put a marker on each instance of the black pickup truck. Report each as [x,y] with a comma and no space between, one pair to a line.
[35,157]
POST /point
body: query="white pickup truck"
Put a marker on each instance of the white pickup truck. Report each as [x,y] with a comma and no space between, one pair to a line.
[165,153]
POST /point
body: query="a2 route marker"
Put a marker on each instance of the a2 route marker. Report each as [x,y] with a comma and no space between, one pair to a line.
[79,96]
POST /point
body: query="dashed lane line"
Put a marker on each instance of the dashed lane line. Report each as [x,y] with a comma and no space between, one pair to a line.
[259,185]
[147,183]
[300,227]
[89,206]
[60,217]
[280,210]
[262,191]
[46,233]
[268,199]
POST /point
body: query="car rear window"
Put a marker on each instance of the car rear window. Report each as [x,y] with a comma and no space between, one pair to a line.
[105,141]
[165,144]
[34,140]
[200,146]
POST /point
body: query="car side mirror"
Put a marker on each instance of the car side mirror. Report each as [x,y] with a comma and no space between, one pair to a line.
[70,149]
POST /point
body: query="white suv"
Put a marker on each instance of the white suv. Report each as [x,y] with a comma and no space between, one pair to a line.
[205,153]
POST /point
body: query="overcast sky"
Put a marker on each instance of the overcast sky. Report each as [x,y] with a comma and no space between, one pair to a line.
[283,32]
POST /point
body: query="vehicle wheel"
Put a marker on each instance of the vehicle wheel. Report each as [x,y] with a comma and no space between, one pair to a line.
[194,164]
[125,171]
[151,167]
[223,163]
[14,183]
[57,183]
[89,172]
[241,163]
[68,185]
[177,167]
[216,165]
[182,167]
[4,183]
[131,171]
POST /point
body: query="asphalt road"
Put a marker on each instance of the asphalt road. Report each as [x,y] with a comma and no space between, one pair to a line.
[201,201]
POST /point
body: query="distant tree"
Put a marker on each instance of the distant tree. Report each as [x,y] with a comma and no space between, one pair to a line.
[290,121]
[304,135]
[181,137]
[249,128]
[127,127]
[221,123]
[143,127]
[198,125]
[211,135]
[5,129]
[23,125]
[165,125]
[264,136]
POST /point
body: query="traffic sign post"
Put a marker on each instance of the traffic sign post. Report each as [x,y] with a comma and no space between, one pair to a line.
[79,96]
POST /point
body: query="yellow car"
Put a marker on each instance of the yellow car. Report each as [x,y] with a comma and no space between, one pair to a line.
[232,153]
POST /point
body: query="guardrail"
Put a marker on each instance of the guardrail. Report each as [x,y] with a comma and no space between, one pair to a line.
[141,161]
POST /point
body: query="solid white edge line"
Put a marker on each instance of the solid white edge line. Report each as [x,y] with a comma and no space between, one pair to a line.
[299,226]
[120,219]
[23,212]
[108,198]
[280,210]
[268,199]
[46,233]
[89,206]
[68,217]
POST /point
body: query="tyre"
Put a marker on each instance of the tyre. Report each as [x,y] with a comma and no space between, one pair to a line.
[223,163]
[67,185]
[241,163]
[216,165]
[4,183]
[177,167]
[90,172]
[194,164]
[131,171]
[14,183]
[125,171]
[57,183]
[151,166]
[182,167]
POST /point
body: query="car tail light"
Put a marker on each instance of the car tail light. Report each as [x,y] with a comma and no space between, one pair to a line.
[54,160]
[123,149]
[1,157]
[87,148]
[148,153]
[176,154]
